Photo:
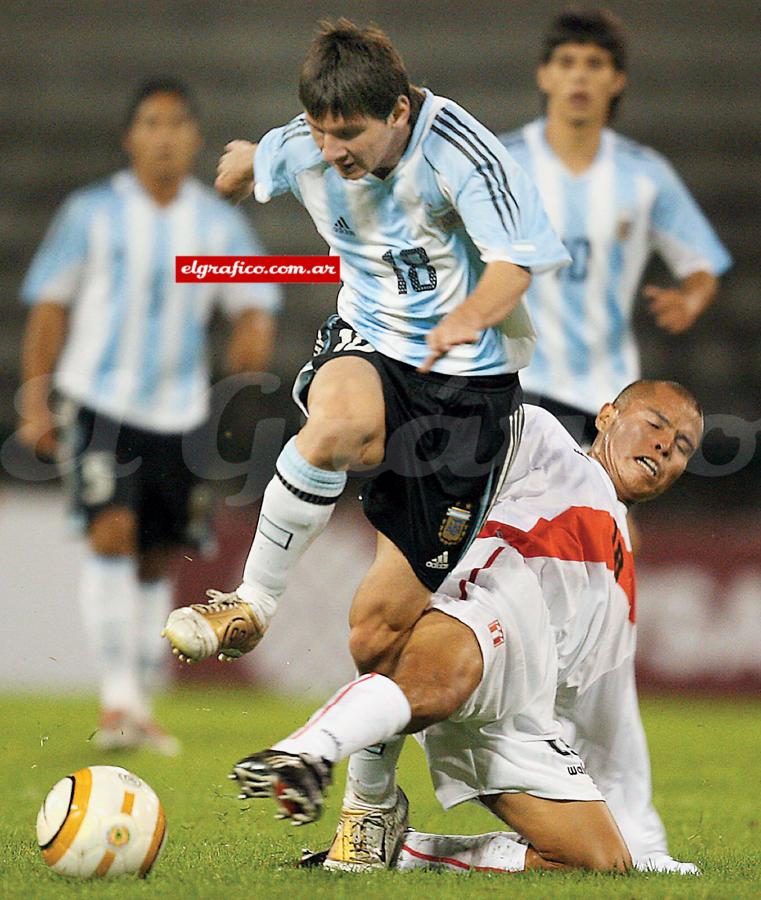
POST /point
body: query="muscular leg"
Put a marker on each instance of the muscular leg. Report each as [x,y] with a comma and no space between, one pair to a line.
[388,603]
[563,834]
[428,686]
[439,669]
[345,429]
[568,835]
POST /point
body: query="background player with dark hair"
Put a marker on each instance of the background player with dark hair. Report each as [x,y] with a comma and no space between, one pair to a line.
[438,231]
[613,202]
[126,347]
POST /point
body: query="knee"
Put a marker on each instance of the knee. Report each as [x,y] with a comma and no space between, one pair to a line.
[113,532]
[607,859]
[610,861]
[344,439]
[595,857]
[370,645]
[430,702]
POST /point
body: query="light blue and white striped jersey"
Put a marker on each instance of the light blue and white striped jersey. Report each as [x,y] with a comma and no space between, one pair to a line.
[136,342]
[413,244]
[611,217]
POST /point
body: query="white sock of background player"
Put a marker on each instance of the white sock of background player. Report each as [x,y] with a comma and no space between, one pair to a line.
[297,505]
[154,605]
[108,597]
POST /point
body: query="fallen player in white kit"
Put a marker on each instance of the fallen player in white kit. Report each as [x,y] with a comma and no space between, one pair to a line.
[530,638]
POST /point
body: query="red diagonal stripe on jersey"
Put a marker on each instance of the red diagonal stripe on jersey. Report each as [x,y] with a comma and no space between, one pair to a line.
[578,534]
[471,579]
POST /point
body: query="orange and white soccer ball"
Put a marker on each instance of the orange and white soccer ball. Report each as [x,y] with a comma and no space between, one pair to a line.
[101,821]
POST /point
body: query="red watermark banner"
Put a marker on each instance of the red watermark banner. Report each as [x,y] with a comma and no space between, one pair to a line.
[285,269]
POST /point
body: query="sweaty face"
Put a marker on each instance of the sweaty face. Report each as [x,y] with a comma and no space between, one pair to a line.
[163,139]
[358,145]
[580,81]
[646,445]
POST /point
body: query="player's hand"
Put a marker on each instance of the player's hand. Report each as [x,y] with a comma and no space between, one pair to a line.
[235,171]
[674,310]
[37,432]
[454,329]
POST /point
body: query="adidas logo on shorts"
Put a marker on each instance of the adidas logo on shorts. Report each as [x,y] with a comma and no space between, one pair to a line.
[439,562]
[341,226]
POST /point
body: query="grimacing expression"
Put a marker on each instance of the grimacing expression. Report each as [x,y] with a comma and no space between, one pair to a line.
[360,144]
[580,81]
[646,444]
[163,139]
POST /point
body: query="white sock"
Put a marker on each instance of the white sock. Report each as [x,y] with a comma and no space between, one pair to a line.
[154,605]
[296,507]
[367,711]
[371,775]
[108,602]
[497,851]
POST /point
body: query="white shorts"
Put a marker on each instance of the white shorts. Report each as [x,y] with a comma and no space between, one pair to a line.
[505,738]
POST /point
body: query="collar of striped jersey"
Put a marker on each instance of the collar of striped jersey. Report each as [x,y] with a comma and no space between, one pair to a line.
[125,180]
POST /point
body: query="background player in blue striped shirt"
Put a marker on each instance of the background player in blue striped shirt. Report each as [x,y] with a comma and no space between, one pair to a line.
[613,202]
[126,347]
[438,232]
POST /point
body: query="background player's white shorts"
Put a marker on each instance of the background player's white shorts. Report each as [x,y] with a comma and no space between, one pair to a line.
[505,738]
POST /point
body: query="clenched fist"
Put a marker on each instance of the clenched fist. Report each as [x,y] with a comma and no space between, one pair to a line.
[235,171]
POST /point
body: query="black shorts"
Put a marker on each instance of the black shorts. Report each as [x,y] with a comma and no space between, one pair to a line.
[579,424]
[119,465]
[449,440]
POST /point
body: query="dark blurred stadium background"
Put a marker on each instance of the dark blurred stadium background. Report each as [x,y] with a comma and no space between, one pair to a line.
[67,72]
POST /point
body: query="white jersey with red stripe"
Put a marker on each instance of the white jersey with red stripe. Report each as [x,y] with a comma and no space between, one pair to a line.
[558,509]
[548,590]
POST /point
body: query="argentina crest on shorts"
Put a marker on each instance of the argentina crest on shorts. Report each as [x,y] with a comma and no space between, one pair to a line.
[455,524]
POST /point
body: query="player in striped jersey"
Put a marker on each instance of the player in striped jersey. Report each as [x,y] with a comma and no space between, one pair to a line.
[125,345]
[439,233]
[525,653]
[613,202]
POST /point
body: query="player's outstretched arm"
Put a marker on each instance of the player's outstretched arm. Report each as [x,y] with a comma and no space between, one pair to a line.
[610,738]
[676,309]
[235,171]
[496,295]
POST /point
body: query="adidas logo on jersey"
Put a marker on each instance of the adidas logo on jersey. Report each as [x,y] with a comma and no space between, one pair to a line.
[341,226]
[439,562]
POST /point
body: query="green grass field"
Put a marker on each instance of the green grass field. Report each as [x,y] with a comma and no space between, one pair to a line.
[707,787]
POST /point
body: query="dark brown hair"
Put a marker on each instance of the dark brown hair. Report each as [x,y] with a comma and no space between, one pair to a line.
[589,26]
[351,71]
[160,86]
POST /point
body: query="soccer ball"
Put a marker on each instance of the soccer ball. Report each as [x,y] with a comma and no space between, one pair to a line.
[102,820]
